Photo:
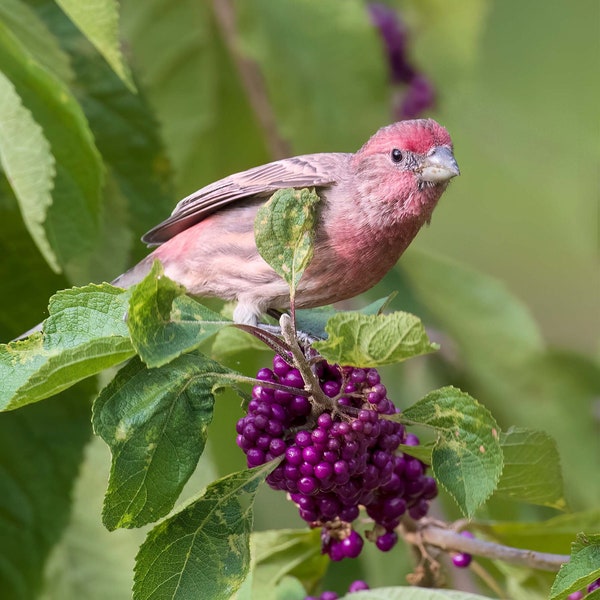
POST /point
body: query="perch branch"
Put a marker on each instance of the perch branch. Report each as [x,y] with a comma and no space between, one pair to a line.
[433,534]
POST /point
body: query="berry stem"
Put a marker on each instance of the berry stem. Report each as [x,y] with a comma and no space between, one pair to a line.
[273,385]
[311,384]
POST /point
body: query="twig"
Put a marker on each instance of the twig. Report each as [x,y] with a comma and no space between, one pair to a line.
[488,580]
[252,79]
[448,539]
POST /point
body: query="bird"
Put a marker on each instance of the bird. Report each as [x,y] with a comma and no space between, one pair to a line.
[372,204]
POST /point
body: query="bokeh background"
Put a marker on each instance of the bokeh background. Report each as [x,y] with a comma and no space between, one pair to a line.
[506,277]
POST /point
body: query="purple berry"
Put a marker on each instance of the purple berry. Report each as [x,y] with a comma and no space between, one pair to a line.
[280,366]
[352,545]
[293,379]
[324,470]
[307,485]
[595,585]
[386,541]
[303,439]
[411,440]
[328,596]
[265,375]
[331,388]
[578,595]
[358,376]
[357,586]
[311,455]
[419,510]
[277,447]
[336,551]
[300,406]
[462,560]
[325,421]
[373,377]
[255,457]
[413,468]
[349,513]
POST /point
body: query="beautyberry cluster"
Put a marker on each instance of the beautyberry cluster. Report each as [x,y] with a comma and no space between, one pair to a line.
[580,594]
[337,457]
[355,586]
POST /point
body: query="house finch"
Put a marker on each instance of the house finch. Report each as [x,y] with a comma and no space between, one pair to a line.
[373,203]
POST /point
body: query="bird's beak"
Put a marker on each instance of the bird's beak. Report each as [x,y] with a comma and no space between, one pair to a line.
[438,166]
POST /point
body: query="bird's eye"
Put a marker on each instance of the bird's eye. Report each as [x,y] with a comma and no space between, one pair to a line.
[396,155]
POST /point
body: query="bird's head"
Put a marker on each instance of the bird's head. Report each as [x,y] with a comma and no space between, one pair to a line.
[405,167]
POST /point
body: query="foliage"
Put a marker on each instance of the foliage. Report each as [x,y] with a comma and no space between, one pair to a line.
[95,137]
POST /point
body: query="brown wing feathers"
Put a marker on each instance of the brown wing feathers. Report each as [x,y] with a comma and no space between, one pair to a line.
[301,171]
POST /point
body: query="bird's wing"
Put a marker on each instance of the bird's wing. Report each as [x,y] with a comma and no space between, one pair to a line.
[310,170]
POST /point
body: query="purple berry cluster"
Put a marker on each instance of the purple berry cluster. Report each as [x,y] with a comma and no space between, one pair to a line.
[339,458]
[355,586]
[580,594]
[420,95]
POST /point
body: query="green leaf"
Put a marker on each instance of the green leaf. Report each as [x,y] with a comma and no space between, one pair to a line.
[89,561]
[373,340]
[284,232]
[231,340]
[314,320]
[155,422]
[286,552]
[467,457]
[194,88]
[289,588]
[23,271]
[499,347]
[531,468]
[165,323]
[34,35]
[553,535]
[71,222]
[99,22]
[41,448]
[581,570]
[84,335]
[27,160]
[494,331]
[411,593]
[127,135]
[203,549]
[423,452]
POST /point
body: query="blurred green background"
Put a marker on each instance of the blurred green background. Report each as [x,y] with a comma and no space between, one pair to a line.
[506,276]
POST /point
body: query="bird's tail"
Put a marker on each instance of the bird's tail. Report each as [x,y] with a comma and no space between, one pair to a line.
[129,278]
[135,274]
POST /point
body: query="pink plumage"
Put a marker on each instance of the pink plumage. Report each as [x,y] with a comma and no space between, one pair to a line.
[373,204]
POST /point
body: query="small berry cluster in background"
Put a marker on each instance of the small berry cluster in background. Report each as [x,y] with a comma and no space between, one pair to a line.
[336,461]
[420,94]
[355,586]
[579,595]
